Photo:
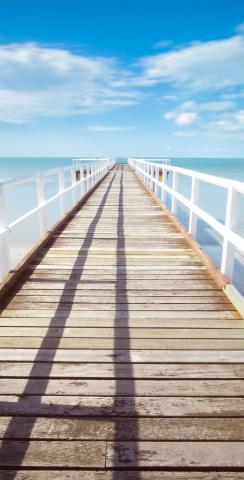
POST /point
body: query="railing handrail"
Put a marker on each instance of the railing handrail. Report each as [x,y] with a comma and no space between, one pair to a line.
[76,162]
[149,173]
[13,181]
[94,173]
[204,177]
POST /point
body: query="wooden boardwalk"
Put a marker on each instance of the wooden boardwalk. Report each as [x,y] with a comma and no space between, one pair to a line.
[120,357]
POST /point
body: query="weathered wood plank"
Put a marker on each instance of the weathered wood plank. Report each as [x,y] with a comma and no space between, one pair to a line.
[142,287]
[121,298]
[116,348]
[69,306]
[161,323]
[110,387]
[133,371]
[123,343]
[122,356]
[117,475]
[120,332]
[121,293]
[41,453]
[160,429]
[178,454]
[119,315]
[126,406]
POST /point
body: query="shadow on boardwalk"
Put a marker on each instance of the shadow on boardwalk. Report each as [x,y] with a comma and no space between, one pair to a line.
[24,431]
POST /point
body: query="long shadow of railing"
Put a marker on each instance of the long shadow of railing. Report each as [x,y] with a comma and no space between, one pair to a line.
[13,429]
[121,296]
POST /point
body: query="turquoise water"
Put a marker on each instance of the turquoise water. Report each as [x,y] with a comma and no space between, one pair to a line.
[212,199]
[222,167]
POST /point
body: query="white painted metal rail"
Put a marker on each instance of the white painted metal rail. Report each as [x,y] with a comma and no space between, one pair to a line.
[155,177]
[86,161]
[83,178]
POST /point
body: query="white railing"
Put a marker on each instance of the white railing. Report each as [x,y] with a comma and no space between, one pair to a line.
[83,178]
[86,161]
[155,177]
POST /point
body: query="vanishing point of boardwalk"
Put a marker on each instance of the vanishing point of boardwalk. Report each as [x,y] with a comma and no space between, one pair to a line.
[120,357]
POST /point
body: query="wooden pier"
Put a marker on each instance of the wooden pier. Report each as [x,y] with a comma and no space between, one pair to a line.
[120,356]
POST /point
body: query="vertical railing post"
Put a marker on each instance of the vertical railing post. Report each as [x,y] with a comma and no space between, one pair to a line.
[162,186]
[73,182]
[61,189]
[92,173]
[5,262]
[151,174]
[148,171]
[157,179]
[144,166]
[85,178]
[82,182]
[195,186]
[231,222]
[88,182]
[95,173]
[174,188]
[41,204]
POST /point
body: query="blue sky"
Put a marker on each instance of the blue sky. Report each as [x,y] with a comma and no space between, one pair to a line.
[158,77]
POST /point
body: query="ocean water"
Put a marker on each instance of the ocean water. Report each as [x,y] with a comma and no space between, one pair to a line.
[213,199]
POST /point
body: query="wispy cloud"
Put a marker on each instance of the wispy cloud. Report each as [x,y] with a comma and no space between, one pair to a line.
[40,81]
[227,125]
[216,106]
[44,81]
[182,118]
[109,128]
[213,64]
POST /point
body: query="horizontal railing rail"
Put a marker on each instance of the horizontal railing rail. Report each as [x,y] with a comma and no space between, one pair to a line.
[86,161]
[83,176]
[155,177]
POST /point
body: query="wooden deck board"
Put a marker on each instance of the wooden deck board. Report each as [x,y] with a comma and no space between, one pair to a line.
[119,351]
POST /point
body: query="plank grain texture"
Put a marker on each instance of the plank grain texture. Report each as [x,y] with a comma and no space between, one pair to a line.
[120,357]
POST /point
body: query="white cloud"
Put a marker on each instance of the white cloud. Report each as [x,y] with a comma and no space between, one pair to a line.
[169,115]
[239,116]
[42,81]
[226,125]
[184,118]
[203,65]
[217,106]
[109,128]
[233,95]
[38,81]
[231,124]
